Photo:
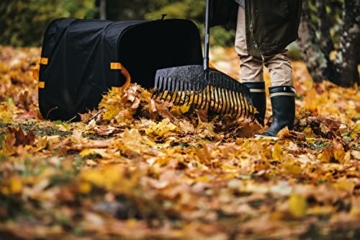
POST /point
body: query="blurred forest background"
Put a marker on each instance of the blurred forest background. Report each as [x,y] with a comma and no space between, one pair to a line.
[23,22]
[325,22]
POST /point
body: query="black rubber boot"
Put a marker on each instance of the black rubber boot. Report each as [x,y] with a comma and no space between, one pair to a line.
[283,110]
[258,97]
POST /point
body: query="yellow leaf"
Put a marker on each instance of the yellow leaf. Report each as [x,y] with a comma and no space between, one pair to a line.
[355,131]
[15,186]
[338,151]
[8,144]
[88,152]
[84,187]
[162,129]
[132,137]
[93,176]
[12,186]
[297,206]
[310,102]
[41,143]
[277,152]
[108,177]
[180,110]
[344,184]
[7,111]
[293,168]
[326,155]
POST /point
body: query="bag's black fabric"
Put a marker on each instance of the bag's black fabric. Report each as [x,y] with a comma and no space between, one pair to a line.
[76,71]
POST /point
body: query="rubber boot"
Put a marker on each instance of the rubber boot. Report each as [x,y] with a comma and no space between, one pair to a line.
[258,97]
[283,110]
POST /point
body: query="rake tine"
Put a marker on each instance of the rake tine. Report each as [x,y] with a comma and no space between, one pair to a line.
[253,112]
[212,98]
[219,100]
[162,84]
[195,92]
[163,87]
[177,92]
[242,105]
[166,88]
[232,103]
[181,90]
[238,104]
[198,100]
[202,100]
[187,94]
[182,96]
[217,93]
[199,96]
[206,99]
[170,87]
[228,96]
[173,91]
[231,99]
[193,87]
[248,103]
[157,90]
[224,101]
[191,93]
[208,96]
[173,85]
[203,97]
[246,109]
[223,95]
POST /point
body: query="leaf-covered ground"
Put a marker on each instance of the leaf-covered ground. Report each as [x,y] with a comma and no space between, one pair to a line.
[139,168]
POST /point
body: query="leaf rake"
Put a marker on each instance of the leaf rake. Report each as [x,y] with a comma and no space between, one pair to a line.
[204,87]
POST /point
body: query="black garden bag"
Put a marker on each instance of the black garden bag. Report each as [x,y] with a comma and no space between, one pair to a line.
[82,59]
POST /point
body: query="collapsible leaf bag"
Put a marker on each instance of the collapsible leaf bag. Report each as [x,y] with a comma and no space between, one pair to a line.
[82,59]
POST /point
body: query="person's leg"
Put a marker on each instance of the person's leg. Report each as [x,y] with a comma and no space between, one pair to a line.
[280,69]
[251,69]
[282,92]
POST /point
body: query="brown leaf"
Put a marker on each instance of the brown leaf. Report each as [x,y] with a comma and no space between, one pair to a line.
[21,137]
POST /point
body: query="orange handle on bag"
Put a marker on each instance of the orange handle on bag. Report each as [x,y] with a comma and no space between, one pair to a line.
[124,72]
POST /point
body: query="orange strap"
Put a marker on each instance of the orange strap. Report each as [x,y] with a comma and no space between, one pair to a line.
[35,71]
[124,72]
[113,66]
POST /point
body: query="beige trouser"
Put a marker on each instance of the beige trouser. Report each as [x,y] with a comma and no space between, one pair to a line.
[251,68]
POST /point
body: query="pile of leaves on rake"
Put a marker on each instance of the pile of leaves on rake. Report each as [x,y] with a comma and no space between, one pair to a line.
[142,168]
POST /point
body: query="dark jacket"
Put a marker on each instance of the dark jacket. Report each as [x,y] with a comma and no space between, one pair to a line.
[270,24]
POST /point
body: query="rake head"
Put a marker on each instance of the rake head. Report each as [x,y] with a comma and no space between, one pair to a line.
[201,89]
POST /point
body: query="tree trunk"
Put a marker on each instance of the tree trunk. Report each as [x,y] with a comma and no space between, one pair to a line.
[346,62]
[315,51]
[102,9]
[315,58]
